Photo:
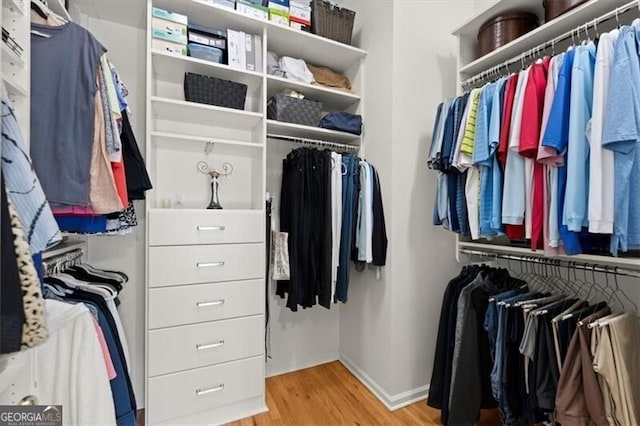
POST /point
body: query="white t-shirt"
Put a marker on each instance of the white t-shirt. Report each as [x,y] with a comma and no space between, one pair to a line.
[601,163]
[68,369]
[513,194]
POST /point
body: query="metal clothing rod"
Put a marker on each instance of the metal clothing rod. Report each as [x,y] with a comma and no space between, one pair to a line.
[615,270]
[335,145]
[502,69]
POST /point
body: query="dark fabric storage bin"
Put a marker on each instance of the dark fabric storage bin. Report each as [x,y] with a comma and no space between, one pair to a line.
[555,8]
[293,110]
[331,21]
[214,91]
[502,29]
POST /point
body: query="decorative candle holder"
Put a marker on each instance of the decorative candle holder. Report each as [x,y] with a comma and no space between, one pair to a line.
[214,177]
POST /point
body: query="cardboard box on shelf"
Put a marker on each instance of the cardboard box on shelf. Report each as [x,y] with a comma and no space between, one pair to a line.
[207,36]
[167,46]
[299,25]
[279,17]
[250,52]
[301,12]
[169,30]
[170,16]
[236,52]
[169,36]
[229,4]
[252,9]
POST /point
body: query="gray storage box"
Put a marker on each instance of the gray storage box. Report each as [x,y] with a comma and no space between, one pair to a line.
[207,53]
[293,110]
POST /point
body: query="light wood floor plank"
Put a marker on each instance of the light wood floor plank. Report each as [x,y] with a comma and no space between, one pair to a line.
[329,395]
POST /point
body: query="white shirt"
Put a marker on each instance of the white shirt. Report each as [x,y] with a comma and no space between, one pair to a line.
[472,192]
[513,194]
[68,369]
[601,163]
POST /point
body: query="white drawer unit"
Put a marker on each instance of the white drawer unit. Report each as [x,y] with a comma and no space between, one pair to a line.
[190,227]
[175,395]
[204,302]
[192,346]
[171,266]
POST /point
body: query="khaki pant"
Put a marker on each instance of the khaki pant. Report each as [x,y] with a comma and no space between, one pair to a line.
[617,360]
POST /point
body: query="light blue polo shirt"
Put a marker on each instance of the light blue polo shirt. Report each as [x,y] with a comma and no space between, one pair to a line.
[622,135]
[557,136]
[575,215]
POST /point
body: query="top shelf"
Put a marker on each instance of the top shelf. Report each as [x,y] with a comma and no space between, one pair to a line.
[566,22]
[282,40]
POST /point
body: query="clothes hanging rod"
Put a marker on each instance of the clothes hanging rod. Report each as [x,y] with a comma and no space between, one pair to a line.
[329,144]
[502,69]
[563,263]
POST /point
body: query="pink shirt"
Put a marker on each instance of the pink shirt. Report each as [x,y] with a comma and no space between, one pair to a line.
[111,371]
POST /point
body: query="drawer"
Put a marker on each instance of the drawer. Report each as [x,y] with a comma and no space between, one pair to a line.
[170,266]
[171,306]
[192,346]
[176,227]
[176,395]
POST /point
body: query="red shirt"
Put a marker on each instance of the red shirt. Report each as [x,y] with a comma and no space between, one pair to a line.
[529,141]
[507,109]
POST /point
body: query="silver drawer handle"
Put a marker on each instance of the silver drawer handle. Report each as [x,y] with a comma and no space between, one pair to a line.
[212,303]
[210,390]
[210,345]
[210,265]
[211,228]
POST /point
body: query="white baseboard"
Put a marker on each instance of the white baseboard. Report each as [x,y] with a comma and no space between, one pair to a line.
[276,369]
[392,402]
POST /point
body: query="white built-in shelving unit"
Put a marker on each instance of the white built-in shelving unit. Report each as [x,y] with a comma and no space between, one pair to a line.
[16,74]
[470,65]
[205,268]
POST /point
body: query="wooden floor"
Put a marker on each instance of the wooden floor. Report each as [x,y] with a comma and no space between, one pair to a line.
[330,395]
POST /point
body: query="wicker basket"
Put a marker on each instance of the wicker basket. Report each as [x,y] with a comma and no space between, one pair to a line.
[330,21]
[214,91]
[293,110]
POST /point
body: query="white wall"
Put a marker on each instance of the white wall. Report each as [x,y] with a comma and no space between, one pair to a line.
[388,328]
[365,322]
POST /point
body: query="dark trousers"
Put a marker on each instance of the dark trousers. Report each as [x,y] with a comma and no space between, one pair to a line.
[305,213]
[349,205]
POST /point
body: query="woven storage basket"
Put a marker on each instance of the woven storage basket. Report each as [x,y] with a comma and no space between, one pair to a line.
[330,21]
[214,91]
[293,110]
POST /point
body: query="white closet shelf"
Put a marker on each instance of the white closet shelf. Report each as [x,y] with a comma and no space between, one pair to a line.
[332,99]
[603,260]
[282,40]
[566,22]
[166,139]
[191,112]
[308,132]
[313,48]
[10,57]
[14,88]
[15,5]
[171,64]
